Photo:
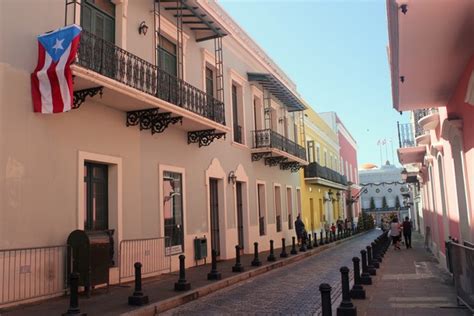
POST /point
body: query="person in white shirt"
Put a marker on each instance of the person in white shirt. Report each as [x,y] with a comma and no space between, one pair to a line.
[395,233]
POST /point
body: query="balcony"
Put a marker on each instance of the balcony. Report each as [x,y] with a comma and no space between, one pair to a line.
[427,119]
[317,174]
[409,151]
[151,97]
[276,149]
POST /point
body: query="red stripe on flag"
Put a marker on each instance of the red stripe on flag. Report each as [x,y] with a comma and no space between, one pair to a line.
[35,90]
[58,104]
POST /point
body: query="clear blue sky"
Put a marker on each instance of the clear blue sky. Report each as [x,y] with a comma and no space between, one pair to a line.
[336,53]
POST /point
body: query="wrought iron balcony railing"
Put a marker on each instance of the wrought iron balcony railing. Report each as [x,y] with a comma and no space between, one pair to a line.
[405,135]
[315,170]
[113,62]
[267,138]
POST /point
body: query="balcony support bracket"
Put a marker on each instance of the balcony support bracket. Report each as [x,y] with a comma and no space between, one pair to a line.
[204,137]
[292,166]
[258,156]
[80,95]
[152,119]
[273,161]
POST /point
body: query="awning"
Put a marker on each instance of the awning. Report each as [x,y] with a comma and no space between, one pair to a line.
[279,90]
[195,17]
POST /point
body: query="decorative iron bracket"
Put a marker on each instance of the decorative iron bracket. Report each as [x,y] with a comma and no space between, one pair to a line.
[204,137]
[273,161]
[152,119]
[292,166]
[79,96]
[258,156]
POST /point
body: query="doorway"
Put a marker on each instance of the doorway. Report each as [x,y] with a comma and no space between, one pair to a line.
[311,210]
[240,216]
[214,206]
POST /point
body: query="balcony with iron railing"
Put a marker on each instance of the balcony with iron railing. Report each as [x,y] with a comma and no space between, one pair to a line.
[315,173]
[276,149]
[426,119]
[130,83]
[411,140]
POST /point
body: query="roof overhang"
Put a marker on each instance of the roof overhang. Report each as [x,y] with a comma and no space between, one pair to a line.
[429,47]
[411,154]
[326,183]
[279,90]
[194,16]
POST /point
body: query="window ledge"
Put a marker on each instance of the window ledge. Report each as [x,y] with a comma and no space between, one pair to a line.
[239,145]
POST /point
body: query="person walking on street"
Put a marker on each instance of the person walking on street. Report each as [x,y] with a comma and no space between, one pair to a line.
[407,227]
[395,233]
[299,229]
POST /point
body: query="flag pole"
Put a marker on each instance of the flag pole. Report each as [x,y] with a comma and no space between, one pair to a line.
[386,150]
[393,155]
[380,147]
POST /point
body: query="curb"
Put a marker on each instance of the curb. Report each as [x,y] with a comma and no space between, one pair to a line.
[162,306]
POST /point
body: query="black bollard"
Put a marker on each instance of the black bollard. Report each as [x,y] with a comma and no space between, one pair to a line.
[365,277]
[293,246]
[138,299]
[182,284]
[321,240]
[73,308]
[303,244]
[315,240]
[346,308]
[271,256]
[310,244]
[283,253]
[238,267]
[256,262]
[326,308]
[370,266]
[357,291]
[375,256]
[214,274]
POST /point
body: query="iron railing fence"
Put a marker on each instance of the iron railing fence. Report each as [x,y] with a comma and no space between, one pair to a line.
[461,261]
[405,135]
[267,138]
[315,170]
[107,59]
[29,273]
[152,253]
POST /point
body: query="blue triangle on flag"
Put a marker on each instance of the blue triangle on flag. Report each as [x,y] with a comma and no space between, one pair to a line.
[56,42]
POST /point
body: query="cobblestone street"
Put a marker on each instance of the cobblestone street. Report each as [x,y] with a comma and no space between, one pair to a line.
[293,289]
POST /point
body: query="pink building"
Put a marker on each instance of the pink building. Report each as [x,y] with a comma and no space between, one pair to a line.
[348,162]
[431,56]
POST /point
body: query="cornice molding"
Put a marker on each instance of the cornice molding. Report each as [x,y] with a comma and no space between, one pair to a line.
[342,129]
[308,123]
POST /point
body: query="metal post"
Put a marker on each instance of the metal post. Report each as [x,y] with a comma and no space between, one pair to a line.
[346,308]
[256,262]
[238,267]
[310,244]
[283,253]
[303,244]
[315,240]
[271,256]
[375,256]
[321,240]
[74,297]
[326,308]
[370,266]
[357,291]
[138,299]
[365,277]
[182,284]
[214,274]
[293,246]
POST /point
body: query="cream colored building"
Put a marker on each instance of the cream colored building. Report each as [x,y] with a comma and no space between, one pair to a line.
[205,145]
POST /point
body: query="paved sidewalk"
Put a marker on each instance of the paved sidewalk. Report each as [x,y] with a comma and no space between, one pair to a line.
[161,289]
[410,282]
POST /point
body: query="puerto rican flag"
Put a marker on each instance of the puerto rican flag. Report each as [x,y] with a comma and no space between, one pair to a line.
[51,82]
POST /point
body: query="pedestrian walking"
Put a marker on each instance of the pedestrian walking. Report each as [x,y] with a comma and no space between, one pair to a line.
[395,231]
[299,229]
[333,230]
[407,227]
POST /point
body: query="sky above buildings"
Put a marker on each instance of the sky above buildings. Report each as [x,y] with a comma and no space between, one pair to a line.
[336,53]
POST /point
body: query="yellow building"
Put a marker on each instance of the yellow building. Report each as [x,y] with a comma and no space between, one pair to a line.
[321,183]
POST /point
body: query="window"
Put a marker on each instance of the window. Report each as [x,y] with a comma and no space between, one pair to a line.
[318,158]
[298,200]
[98,18]
[173,209]
[342,166]
[310,145]
[261,207]
[277,194]
[325,158]
[235,112]
[167,56]
[289,208]
[209,81]
[96,193]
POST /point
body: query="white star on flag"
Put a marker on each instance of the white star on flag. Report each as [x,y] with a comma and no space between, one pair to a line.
[58,44]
